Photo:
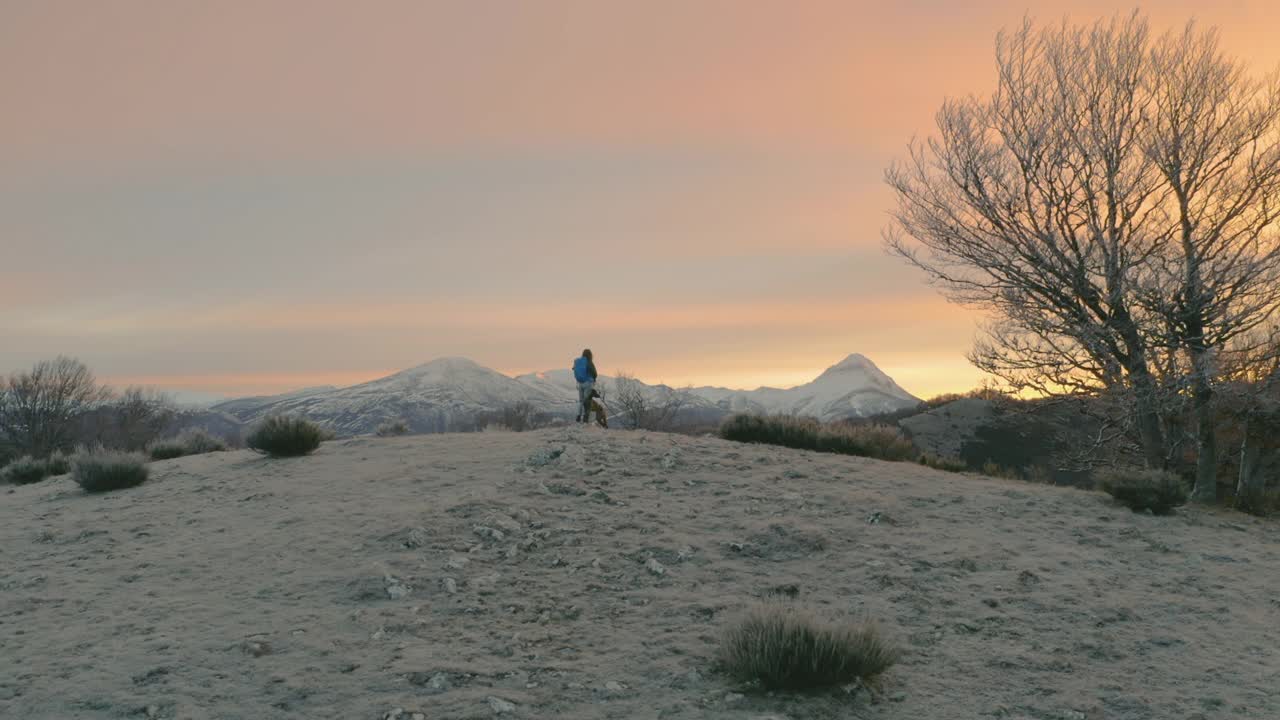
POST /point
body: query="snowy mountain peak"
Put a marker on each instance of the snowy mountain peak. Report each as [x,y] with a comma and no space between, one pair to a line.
[856,361]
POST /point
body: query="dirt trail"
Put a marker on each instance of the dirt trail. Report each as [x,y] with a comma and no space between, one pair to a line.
[580,573]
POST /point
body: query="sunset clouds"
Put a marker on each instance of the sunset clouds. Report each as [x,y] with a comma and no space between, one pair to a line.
[249,197]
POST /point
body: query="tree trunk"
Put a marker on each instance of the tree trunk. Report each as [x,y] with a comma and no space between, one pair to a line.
[1206,489]
[1249,452]
[1150,434]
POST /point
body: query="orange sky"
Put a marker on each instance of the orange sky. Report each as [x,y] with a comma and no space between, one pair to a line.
[245,197]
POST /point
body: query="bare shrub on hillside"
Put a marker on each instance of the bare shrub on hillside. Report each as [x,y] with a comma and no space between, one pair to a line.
[785,648]
[642,408]
[134,419]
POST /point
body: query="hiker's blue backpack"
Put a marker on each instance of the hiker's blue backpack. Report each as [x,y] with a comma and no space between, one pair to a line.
[580,372]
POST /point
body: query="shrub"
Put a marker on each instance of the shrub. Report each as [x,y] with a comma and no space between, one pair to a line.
[945,464]
[392,428]
[59,464]
[1155,490]
[199,441]
[1259,501]
[166,449]
[877,441]
[104,470]
[192,441]
[286,436]
[25,470]
[784,648]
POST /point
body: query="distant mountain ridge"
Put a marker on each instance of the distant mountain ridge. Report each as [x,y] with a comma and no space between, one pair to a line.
[451,393]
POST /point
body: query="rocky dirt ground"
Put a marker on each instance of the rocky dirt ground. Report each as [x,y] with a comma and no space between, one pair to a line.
[581,573]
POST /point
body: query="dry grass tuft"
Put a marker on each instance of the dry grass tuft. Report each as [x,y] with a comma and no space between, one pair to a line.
[392,428]
[782,647]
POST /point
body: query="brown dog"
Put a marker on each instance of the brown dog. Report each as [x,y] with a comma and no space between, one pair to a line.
[598,408]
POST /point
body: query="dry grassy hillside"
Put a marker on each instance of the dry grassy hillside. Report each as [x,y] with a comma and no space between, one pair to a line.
[473,576]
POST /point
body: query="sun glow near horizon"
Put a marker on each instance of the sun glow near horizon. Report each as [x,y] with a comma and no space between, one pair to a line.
[506,186]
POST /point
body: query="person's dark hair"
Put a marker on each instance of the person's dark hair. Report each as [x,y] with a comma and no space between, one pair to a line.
[587,353]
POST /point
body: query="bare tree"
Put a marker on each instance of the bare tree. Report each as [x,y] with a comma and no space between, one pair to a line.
[645,408]
[1039,205]
[1215,138]
[1115,205]
[135,418]
[39,408]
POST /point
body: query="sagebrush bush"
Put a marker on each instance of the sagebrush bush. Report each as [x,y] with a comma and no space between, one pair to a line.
[945,464]
[199,441]
[286,436]
[785,648]
[192,441]
[877,441]
[392,428]
[1155,490]
[58,463]
[1258,501]
[24,471]
[104,470]
[166,449]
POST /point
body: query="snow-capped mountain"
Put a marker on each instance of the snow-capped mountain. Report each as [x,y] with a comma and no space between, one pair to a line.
[854,387]
[455,393]
[439,396]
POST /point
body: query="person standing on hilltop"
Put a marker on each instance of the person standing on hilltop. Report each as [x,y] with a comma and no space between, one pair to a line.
[584,371]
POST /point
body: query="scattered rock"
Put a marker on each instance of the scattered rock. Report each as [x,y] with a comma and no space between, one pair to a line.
[614,686]
[487,533]
[416,538]
[457,562]
[396,589]
[504,522]
[734,698]
[655,567]
[500,706]
[564,489]
[256,648]
[684,553]
[793,474]
[438,683]
[450,585]
[485,584]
